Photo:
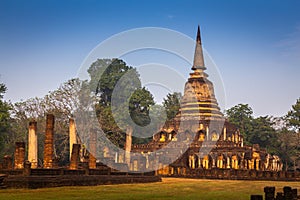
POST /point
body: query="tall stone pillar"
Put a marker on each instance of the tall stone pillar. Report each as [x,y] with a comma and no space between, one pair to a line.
[225,133]
[19,155]
[32,145]
[49,142]
[75,156]
[93,150]
[128,145]
[72,135]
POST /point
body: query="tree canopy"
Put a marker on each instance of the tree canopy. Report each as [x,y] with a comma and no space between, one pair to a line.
[241,116]
[122,100]
[278,135]
[5,121]
[293,116]
[172,104]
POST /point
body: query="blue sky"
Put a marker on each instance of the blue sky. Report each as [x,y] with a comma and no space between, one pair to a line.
[255,44]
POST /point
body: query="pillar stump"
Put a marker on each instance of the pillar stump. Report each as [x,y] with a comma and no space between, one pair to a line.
[75,156]
[19,155]
[269,193]
[288,194]
[27,168]
[7,162]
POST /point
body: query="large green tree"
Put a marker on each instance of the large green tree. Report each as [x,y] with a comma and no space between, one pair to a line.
[293,117]
[122,99]
[172,104]
[278,135]
[258,130]
[293,122]
[263,133]
[241,116]
[4,111]
[5,128]
[287,147]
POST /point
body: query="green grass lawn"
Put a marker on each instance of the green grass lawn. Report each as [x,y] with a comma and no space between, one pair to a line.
[169,188]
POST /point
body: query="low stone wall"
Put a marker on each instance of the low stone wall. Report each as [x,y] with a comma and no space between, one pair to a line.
[12,172]
[64,171]
[231,174]
[32,182]
[40,178]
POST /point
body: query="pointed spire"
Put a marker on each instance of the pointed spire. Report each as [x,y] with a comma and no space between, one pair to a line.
[198,35]
[198,56]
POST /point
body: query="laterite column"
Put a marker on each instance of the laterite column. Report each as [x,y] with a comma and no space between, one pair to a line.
[72,135]
[93,149]
[128,145]
[49,142]
[32,145]
[75,156]
[19,155]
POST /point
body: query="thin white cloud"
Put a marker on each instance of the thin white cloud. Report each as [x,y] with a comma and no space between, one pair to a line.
[170,16]
[291,45]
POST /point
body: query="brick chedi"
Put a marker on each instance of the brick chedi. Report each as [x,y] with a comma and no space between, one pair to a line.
[212,141]
[199,101]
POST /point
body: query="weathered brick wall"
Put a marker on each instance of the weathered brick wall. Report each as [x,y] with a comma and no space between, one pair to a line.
[238,174]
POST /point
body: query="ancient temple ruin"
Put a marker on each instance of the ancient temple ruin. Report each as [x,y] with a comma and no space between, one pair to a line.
[199,142]
[213,143]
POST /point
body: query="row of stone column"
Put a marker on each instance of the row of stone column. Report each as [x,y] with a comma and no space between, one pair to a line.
[230,162]
[49,161]
[19,156]
[204,134]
